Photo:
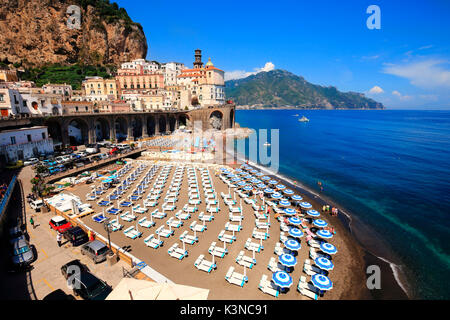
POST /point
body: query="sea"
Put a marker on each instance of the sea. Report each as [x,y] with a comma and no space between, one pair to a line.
[389,170]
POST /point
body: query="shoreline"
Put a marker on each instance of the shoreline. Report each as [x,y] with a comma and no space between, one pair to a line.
[394,286]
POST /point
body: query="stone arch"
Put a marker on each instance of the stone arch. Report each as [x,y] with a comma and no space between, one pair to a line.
[55,130]
[232,118]
[102,129]
[136,125]
[121,128]
[78,131]
[216,120]
[151,126]
[162,123]
[183,120]
[172,123]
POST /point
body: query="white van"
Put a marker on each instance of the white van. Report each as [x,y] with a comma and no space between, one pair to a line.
[36,204]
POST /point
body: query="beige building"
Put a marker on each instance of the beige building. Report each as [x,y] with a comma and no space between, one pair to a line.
[65,90]
[8,76]
[77,107]
[99,89]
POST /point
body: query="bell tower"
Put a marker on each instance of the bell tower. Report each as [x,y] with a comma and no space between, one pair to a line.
[198,59]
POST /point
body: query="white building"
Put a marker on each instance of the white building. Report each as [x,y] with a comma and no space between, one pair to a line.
[171,70]
[147,66]
[24,143]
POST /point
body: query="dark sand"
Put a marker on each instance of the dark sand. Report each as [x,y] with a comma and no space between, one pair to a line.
[348,275]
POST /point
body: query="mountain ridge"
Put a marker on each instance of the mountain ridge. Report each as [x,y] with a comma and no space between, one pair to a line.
[282,89]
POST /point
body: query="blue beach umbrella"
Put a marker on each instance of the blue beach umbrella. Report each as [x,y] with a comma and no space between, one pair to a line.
[321,282]
[320,223]
[265,178]
[276,195]
[248,188]
[248,177]
[324,263]
[254,171]
[261,186]
[236,179]
[313,213]
[328,248]
[296,197]
[284,203]
[255,181]
[324,234]
[268,190]
[288,192]
[287,260]
[295,221]
[295,232]
[241,183]
[280,186]
[282,279]
[290,211]
[238,170]
[292,245]
[306,205]
[259,174]
[273,182]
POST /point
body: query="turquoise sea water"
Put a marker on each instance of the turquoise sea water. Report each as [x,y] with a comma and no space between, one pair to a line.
[388,168]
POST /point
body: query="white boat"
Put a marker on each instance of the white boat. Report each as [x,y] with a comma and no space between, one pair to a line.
[303,119]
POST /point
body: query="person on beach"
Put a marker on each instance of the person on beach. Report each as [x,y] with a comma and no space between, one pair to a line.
[32,221]
[59,238]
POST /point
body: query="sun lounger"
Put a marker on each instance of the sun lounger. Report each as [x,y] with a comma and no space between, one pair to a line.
[90,197]
[259,235]
[127,216]
[314,244]
[235,278]
[203,217]
[187,238]
[310,269]
[278,249]
[226,237]
[244,260]
[189,209]
[267,287]
[115,225]
[259,215]
[273,265]
[174,223]
[144,222]
[283,237]
[210,209]
[313,254]
[153,242]
[166,233]
[211,202]
[235,218]
[229,202]
[183,216]
[112,210]
[132,233]
[233,227]
[176,252]
[262,224]
[158,215]
[125,204]
[284,227]
[202,264]
[252,246]
[225,196]
[104,203]
[168,207]
[99,217]
[197,227]
[217,250]
[306,289]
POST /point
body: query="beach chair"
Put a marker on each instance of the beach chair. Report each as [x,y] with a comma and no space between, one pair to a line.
[176,252]
[314,243]
[115,225]
[144,222]
[284,227]
[252,246]
[127,216]
[91,197]
[158,215]
[226,237]
[273,265]
[225,196]
[187,238]
[283,237]
[150,203]
[174,223]
[233,227]
[210,209]
[203,217]
[152,242]
[202,264]
[235,278]
[307,289]
[182,215]
[99,217]
[166,233]
[197,227]
[244,260]
[139,209]
[259,235]
[267,287]
[132,232]
[112,210]
[211,202]
[278,249]
[313,254]
[168,207]
[262,224]
[229,202]
[125,203]
[259,215]
[311,270]
[104,203]
[217,251]
[234,218]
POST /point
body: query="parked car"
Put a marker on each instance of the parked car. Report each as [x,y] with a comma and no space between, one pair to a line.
[91,150]
[22,254]
[74,263]
[96,250]
[58,295]
[103,156]
[59,223]
[16,234]
[76,236]
[37,205]
[89,287]
[82,154]
[30,161]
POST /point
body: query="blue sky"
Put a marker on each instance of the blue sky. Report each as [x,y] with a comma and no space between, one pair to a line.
[405,64]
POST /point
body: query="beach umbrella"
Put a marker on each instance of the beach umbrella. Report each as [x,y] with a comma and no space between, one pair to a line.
[288,192]
[295,232]
[280,186]
[324,234]
[313,213]
[265,178]
[248,188]
[287,260]
[254,171]
[255,181]
[328,248]
[295,221]
[236,179]
[324,263]
[259,174]
[261,186]
[241,183]
[290,211]
[284,203]
[268,190]
[292,245]
[248,177]
[276,195]
[306,205]
[273,182]
[282,279]
[321,282]
[320,223]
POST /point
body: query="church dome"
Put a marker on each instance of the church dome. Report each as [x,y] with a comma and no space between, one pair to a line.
[209,63]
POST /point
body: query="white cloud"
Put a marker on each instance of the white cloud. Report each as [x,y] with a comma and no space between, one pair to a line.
[400,96]
[239,74]
[376,90]
[426,74]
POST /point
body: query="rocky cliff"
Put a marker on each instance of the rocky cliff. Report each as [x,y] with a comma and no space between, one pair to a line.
[35,33]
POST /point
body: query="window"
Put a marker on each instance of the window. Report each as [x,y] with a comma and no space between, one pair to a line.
[13,140]
[43,135]
[29,137]
[2,97]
